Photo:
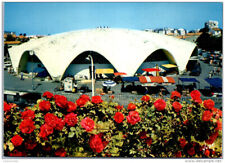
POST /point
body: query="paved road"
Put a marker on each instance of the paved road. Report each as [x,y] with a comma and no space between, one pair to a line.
[15,84]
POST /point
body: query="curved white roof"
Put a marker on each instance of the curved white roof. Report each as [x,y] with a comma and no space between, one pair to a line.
[124,49]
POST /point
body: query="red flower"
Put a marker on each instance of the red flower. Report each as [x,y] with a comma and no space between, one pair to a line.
[86,97]
[71,119]
[148,141]
[177,106]
[61,152]
[212,138]
[61,101]
[88,124]
[185,122]
[183,142]
[96,99]
[71,106]
[30,144]
[119,117]
[59,124]
[195,94]
[178,154]
[44,105]
[112,97]
[119,107]
[81,102]
[209,104]
[145,98]
[131,106]
[45,130]
[191,151]
[17,153]
[219,125]
[207,153]
[17,140]
[28,114]
[7,107]
[50,119]
[160,104]
[96,143]
[133,117]
[143,135]
[27,126]
[198,100]
[47,95]
[47,148]
[207,115]
[175,94]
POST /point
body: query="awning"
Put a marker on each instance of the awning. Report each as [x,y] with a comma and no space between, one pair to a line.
[104,71]
[189,80]
[169,65]
[130,79]
[156,79]
[215,82]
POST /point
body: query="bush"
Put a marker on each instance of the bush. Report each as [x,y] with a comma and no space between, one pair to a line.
[96,128]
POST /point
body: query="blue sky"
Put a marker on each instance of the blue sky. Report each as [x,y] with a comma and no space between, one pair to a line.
[50,18]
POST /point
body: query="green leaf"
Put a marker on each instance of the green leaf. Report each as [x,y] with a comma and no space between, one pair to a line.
[71,134]
[11,146]
[72,129]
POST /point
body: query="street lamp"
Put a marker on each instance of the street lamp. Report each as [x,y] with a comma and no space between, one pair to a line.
[31,54]
[92,74]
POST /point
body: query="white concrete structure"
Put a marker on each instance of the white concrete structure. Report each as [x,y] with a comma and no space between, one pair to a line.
[125,49]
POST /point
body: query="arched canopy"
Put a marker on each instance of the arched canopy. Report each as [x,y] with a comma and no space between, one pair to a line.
[124,49]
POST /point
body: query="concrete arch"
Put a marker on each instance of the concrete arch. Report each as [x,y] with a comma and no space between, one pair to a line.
[124,49]
[82,53]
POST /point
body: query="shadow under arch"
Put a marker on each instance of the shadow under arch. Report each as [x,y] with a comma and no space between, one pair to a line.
[157,57]
[29,63]
[193,62]
[80,63]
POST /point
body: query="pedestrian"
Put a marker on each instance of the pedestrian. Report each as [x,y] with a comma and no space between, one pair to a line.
[21,76]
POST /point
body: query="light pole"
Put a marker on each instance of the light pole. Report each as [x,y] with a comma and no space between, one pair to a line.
[31,54]
[92,75]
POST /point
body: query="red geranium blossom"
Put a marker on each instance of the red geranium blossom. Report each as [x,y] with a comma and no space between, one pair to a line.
[86,97]
[133,117]
[7,107]
[183,142]
[131,106]
[27,126]
[209,104]
[207,153]
[47,95]
[198,100]
[191,151]
[88,124]
[71,119]
[145,98]
[118,117]
[16,153]
[177,106]
[219,125]
[30,144]
[61,101]
[96,99]
[175,94]
[207,115]
[119,107]
[28,114]
[148,141]
[71,106]
[178,154]
[160,104]
[59,124]
[17,140]
[185,122]
[143,135]
[96,143]
[50,119]
[81,102]
[212,138]
[61,152]
[195,94]
[44,105]
[45,130]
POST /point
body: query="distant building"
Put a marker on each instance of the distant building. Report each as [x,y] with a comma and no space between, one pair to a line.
[181,31]
[211,24]
[213,28]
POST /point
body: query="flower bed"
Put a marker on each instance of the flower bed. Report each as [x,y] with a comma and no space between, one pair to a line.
[91,127]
